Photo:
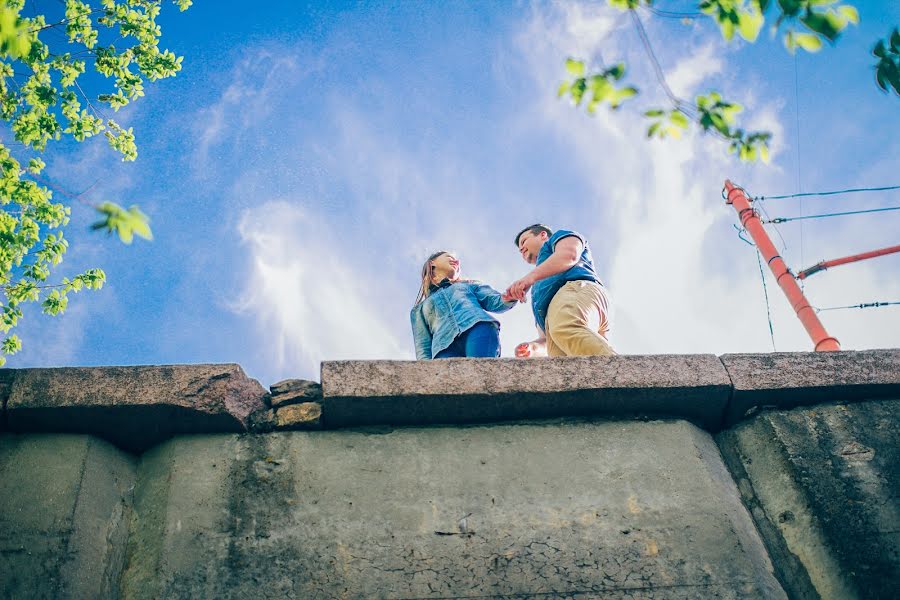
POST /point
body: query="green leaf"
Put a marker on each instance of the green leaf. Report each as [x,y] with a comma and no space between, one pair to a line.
[679,119]
[750,24]
[849,13]
[12,344]
[575,67]
[620,96]
[125,223]
[807,41]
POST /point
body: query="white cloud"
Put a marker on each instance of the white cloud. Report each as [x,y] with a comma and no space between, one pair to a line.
[693,69]
[255,81]
[309,303]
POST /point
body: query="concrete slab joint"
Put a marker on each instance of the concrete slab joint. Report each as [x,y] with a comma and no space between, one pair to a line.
[789,379]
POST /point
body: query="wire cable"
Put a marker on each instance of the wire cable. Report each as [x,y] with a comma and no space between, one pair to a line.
[863,305]
[826,215]
[669,14]
[762,276]
[833,193]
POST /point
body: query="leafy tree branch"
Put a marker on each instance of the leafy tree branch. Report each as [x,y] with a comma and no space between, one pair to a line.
[42,100]
[804,24]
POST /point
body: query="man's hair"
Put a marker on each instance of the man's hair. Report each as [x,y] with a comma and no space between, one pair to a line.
[535,229]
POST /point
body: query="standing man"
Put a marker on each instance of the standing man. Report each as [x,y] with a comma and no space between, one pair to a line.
[569,303]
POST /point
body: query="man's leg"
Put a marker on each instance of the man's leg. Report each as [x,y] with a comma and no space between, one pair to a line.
[575,319]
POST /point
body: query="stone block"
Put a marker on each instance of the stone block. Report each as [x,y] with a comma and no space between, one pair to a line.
[694,387]
[295,391]
[789,379]
[65,502]
[299,416]
[822,483]
[133,407]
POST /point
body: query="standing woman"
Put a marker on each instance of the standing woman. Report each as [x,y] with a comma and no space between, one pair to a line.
[450,316]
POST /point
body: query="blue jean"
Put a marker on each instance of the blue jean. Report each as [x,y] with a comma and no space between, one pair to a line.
[481,340]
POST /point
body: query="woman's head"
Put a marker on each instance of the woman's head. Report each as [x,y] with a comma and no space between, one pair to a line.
[439,266]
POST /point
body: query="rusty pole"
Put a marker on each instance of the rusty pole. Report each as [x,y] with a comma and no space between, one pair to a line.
[826,264]
[807,315]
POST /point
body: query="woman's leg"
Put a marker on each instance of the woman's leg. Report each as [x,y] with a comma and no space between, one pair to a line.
[455,350]
[483,340]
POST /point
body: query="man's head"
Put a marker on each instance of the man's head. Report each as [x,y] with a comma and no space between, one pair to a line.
[530,240]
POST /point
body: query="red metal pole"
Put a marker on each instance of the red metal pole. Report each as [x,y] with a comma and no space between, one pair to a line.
[750,221]
[843,261]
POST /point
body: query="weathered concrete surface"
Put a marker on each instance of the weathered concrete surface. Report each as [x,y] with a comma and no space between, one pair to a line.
[694,387]
[553,509]
[133,407]
[65,502]
[789,379]
[823,484]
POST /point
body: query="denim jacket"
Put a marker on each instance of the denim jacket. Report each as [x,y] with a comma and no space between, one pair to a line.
[449,311]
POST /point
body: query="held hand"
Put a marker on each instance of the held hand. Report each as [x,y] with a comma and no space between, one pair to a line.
[519,288]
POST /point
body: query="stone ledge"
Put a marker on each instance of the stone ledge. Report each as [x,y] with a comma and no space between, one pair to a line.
[694,387]
[789,379]
[137,407]
[133,407]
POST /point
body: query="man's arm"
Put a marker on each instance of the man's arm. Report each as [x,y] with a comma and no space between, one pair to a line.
[564,257]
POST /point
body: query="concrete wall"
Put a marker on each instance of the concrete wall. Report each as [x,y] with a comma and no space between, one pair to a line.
[65,505]
[507,510]
[749,476]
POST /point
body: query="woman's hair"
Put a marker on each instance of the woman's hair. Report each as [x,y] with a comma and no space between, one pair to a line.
[425,288]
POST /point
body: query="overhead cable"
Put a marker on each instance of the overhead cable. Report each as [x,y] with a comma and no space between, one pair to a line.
[863,305]
[826,215]
[832,193]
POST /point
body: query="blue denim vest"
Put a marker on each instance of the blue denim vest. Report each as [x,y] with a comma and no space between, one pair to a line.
[449,311]
[543,291]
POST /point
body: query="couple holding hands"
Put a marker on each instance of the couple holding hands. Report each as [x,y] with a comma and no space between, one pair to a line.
[450,318]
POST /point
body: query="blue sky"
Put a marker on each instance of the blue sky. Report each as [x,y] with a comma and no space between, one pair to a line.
[309,156]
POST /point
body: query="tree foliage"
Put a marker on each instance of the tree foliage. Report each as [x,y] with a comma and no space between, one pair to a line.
[42,100]
[802,24]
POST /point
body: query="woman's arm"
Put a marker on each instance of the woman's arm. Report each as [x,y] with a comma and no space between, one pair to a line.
[421,333]
[490,299]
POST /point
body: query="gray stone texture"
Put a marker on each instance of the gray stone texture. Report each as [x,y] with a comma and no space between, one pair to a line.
[65,503]
[133,407]
[823,484]
[789,379]
[694,387]
[552,509]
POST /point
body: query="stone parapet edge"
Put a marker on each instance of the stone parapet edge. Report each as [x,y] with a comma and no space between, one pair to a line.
[721,392]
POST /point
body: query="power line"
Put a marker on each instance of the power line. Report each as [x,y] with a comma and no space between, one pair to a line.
[766,294]
[863,305]
[823,216]
[657,68]
[669,14]
[832,193]
[799,153]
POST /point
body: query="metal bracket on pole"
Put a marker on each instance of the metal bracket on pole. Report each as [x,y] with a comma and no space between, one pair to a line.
[736,197]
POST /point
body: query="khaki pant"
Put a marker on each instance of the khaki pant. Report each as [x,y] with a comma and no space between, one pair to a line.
[577,322]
